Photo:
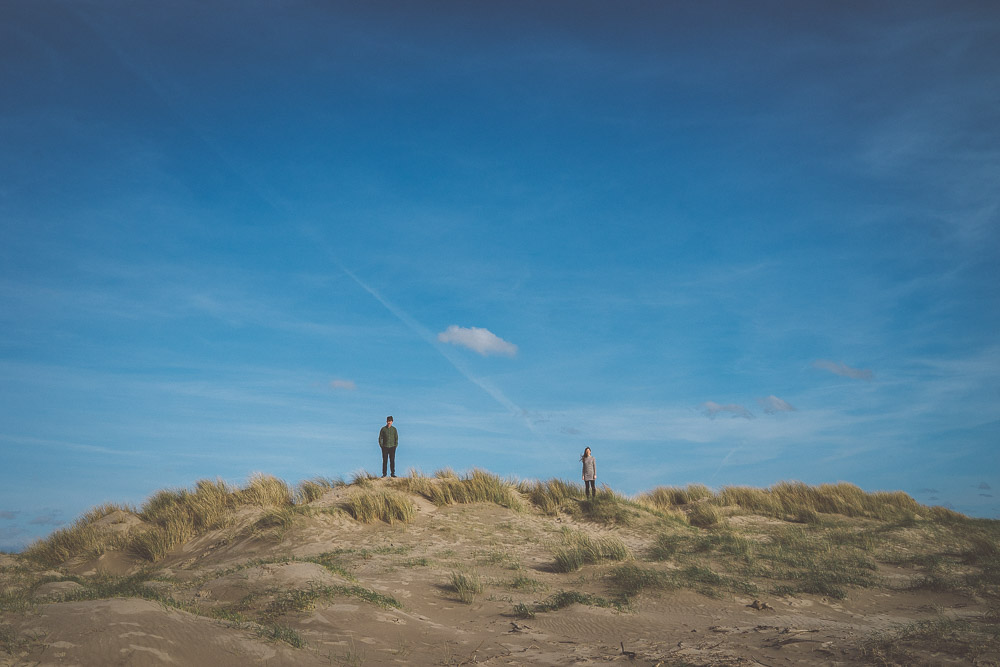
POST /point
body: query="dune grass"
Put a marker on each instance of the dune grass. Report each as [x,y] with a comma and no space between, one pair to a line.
[80,538]
[704,515]
[168,518]
[294,600]
[611,508]
[309,490]
[369,505]
[552,495]
[176,516]
[563,599]
[973,641]
[630,580]
[581,549]
[667,497]
[796,501]
[265,491]
[791,558]
[448,488]
[466,586]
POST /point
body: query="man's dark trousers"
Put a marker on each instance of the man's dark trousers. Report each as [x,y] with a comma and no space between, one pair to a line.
[389,456]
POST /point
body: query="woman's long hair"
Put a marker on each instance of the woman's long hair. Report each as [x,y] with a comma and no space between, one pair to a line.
[586,452]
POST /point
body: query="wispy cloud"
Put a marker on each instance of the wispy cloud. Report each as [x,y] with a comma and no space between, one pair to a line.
[712,409]
[49,518]
[23,440]
[483,341]
[347,385]
[838,368]
[6,514]
[773,404]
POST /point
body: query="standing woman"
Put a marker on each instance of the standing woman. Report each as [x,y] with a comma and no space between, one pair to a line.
[589,473]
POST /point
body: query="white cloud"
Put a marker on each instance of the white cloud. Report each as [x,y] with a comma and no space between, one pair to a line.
[773,404]
[844,370]
[483,341]
[343,384]
[712,409]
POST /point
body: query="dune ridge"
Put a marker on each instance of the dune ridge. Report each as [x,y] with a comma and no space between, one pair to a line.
[476,569]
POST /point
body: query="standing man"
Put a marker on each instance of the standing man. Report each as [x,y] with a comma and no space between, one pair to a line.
[387,440]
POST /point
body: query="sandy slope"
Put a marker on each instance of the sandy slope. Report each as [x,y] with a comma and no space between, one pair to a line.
[412,564]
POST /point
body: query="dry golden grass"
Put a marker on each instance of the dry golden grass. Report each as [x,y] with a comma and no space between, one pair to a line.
[477,486]
[552,495]
[313,489]
[265,491]
[80,538]
[581,549]
[369,505]
[466,586]
[169,518]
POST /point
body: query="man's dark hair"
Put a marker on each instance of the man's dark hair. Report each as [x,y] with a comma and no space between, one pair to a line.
[389,418]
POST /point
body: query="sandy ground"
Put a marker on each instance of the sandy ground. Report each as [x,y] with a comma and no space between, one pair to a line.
[413,564]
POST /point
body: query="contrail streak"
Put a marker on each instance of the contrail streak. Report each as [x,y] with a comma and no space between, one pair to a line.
[429,337]
[258,191]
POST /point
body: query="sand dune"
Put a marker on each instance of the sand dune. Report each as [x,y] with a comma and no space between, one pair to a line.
[320,587]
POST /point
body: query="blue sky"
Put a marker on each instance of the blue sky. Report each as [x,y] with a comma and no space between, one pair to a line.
[718,242]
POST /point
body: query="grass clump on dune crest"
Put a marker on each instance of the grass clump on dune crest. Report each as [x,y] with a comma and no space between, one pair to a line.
[78,539]
[667,497]
[176,516]
[803,503]
[477,486]
[609,507]
[265,491]
[168,518]
[154,543]
[795,501]
[309,490]
[370,505]
[550,496]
